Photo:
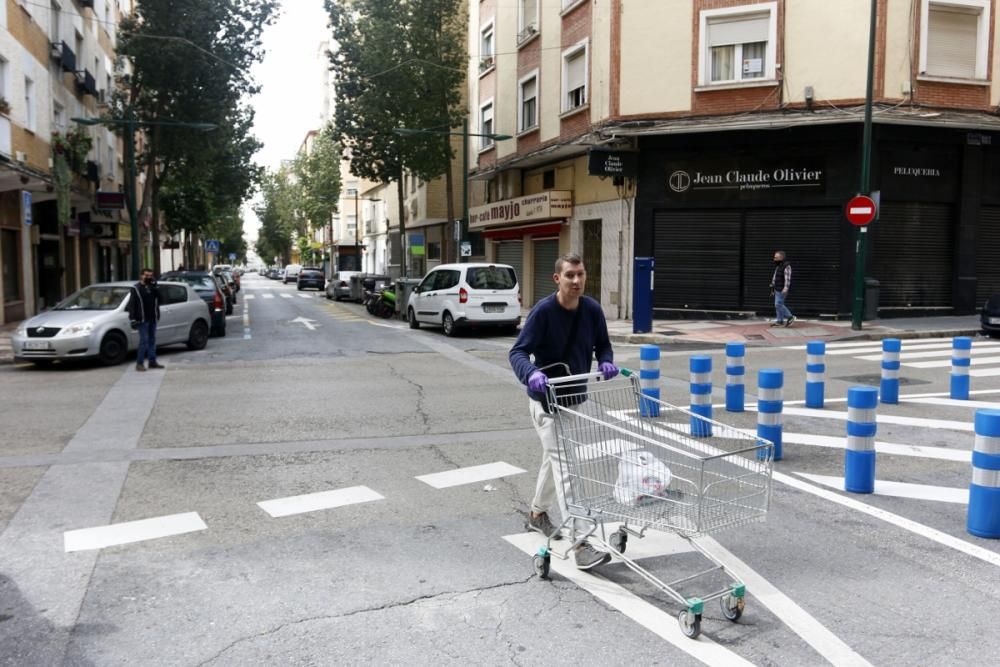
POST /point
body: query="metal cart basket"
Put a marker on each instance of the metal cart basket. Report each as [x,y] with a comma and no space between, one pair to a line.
[632,459]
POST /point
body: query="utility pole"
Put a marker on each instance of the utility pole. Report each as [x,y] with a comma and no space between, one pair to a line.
[865,186]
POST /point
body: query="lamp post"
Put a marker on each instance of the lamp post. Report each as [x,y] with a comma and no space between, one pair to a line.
[866,157]
[465,134]
[130,122]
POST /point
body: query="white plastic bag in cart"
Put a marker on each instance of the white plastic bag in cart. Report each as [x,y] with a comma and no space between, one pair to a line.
[642,478]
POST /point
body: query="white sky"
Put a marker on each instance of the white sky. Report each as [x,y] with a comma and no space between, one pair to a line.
[290,100]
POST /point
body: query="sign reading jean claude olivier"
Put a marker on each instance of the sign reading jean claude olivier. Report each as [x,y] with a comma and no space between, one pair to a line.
[743,179]
[551,205]
[603,162]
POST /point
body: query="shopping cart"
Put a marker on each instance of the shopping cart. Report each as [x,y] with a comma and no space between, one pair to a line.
[632,459]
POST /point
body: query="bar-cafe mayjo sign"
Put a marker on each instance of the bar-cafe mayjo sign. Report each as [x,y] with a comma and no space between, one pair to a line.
[551,205]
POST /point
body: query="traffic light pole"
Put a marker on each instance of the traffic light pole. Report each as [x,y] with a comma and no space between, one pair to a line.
[866,155]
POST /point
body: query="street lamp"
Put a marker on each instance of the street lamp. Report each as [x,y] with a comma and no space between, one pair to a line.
[130,122]
[465,134]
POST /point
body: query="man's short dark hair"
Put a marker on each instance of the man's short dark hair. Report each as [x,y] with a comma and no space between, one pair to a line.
[568,258]
[146,270]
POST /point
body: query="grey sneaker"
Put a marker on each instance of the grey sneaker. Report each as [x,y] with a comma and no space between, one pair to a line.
[541,524]
[789,321]
[587,557]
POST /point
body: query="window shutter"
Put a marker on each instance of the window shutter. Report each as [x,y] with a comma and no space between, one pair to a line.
[951,43]
[738,30]
[528,89]
[529,13]
[575,71]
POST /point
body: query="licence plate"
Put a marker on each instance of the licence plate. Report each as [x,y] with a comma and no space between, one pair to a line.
[995,320]
[36,345]
[494,307]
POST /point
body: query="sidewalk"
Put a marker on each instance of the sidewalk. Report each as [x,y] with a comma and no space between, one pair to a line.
[6,352]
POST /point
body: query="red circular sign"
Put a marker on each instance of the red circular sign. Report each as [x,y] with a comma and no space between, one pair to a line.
[860,210]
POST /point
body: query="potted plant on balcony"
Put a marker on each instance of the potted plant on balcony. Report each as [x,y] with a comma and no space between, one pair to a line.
[69,155]
[4,106]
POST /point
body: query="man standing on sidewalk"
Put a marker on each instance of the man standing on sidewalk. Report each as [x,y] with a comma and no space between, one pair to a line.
[563,328]
[144,312]
[781,280]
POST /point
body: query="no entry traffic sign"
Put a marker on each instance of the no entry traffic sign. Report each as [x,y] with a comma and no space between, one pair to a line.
[861,210]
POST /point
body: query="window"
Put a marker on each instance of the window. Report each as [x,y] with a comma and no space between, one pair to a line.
[527,19]
[486,52]
[29,104]
[954,38]
[3,78]
[486,125]
[549,179]
[575,77]
[111,161]
[55,18]
[737,44]
[433,250]
[173,294]
[352,224]
[528,107]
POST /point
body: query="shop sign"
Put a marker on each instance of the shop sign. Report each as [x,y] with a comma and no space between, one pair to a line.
[746,179]
[919,175]
[550,205]
[124,232]
[612,163]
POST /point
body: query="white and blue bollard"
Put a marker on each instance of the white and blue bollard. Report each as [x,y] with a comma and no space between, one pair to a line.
[815,373]
[735,392]
[701,396]
[770,402]
[984,492]
[889,388]
[859,457]
[649,380]
[961,359]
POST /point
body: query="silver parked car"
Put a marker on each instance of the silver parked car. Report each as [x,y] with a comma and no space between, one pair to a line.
[339,286]
[93,323]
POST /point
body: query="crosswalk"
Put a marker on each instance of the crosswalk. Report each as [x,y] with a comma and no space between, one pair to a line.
[310,295]
[924,353]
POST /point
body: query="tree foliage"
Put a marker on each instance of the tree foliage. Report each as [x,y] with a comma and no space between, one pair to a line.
[280,218]
[318,176]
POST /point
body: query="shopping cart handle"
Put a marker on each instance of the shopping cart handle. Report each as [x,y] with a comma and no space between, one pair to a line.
[626,372]
[580,378]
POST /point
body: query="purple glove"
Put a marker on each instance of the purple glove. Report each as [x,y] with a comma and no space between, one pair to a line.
[609,369]
[537,382]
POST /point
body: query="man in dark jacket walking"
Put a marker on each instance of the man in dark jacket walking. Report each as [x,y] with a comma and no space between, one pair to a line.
[781,281]
[144,312]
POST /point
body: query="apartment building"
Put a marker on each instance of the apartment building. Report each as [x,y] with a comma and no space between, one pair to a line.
[56,64]
[739,125]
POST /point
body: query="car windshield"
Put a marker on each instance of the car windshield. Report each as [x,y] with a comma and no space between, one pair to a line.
[95,297]
[197,282]
[305,273]
[491,277]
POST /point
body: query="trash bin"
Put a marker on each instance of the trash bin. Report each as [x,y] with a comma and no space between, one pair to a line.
[357,289]
[872,288]
[404,288]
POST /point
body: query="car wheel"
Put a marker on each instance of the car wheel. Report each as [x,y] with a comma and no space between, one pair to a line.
[448,324]
[114,347]
[198,337]
[299,287]
[412,318]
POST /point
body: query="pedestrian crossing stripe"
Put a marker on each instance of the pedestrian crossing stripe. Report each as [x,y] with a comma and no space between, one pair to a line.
[249,297]
[286,296]
[268,296]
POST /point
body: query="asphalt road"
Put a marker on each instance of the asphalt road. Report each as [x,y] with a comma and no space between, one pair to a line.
[305,396]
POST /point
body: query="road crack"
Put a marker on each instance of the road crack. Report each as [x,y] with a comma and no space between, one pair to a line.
[421,411]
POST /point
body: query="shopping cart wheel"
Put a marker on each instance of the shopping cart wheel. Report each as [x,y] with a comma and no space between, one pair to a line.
[732,607]
[541,561]
[618,540]
[690,623]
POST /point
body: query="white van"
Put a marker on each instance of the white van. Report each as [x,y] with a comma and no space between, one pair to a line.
[458,296]
[291,273]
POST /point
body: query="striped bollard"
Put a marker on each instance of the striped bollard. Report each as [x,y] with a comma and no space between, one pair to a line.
[889,388]
[815,373]
[984,492]
[859,457]
[735,354]
[769,405]
[961,359]
[649,380]
[701,396]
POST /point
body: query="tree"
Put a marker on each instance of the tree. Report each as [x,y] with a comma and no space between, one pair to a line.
[280,221]
[318,175]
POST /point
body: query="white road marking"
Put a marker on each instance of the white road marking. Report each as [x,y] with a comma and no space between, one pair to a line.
[661,623]
[881,419]
[890,448]
[932,534]
[285,296]
[321,500]
[86,539]
[268,296]
[814,633]
[945,363]
[305,296]
[902,397]
[246,320]
[459,476]
[931,354]
[249,296]
[955,403]
[309,324]
[877,347]
[985,372]
[941,494]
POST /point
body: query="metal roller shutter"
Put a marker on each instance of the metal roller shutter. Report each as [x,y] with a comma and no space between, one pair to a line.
[697,255]
[810,238]
[987,254]
[512,254]
[546,254]
[912,245]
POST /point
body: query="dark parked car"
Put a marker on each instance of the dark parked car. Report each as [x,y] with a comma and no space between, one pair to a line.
[209,288]
[991,316]
[311,276]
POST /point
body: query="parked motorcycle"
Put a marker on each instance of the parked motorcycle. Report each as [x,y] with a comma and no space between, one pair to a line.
[381,302]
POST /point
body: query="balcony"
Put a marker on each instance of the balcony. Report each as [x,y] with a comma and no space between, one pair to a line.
[529,31]
[62,54]
[486,63]
[86,83]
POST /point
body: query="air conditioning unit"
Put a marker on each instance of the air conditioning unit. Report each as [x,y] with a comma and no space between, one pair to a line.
[20,156]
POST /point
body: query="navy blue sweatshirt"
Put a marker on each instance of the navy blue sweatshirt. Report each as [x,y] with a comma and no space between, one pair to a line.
[544,335]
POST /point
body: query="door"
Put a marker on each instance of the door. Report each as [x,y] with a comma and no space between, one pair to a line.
[512,254]
[173,315]
[592,248]
[546,254]
[445,293]
[424,296]
[697,255]
[911,255]
[988,254]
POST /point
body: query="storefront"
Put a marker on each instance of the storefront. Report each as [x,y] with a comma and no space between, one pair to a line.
[713,208]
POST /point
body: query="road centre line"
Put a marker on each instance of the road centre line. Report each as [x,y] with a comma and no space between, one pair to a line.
[321,500]
[100,537]
[932,534]
[469,475]
[889,448]
[657,621]
[942,494]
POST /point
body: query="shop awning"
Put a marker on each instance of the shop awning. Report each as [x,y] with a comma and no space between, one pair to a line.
[541,229]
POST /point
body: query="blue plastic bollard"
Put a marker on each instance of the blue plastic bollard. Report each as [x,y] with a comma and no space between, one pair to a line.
[961,359]
[859,457]
[701,396]
[984,492]
[889,388]
[770,402]
[815,373]
[649,380]
[735,371]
